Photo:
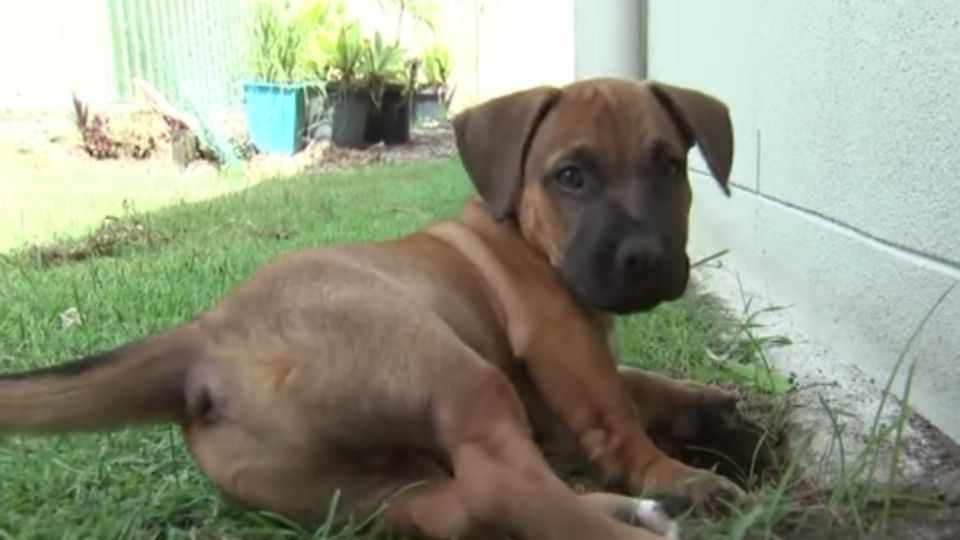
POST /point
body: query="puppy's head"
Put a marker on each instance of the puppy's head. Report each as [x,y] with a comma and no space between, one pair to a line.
[594,174]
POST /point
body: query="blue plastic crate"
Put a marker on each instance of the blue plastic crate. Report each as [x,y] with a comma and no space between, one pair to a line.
[276,114]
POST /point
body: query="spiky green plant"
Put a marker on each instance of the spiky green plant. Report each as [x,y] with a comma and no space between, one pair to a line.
[436,68]
[277,46]
[344,55]
[382,64]
[325,21]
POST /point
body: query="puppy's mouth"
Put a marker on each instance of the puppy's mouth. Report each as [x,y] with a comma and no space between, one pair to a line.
[618,264]
[623,295]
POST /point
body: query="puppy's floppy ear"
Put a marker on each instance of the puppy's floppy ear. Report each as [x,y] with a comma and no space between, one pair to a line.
[705,120]
[492,140]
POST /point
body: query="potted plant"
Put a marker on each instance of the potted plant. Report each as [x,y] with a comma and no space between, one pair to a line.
[275,94]
[323,20]
[386,77]
[347,92]
[432,97]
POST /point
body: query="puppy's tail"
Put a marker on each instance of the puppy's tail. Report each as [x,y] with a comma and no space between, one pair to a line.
[140,382]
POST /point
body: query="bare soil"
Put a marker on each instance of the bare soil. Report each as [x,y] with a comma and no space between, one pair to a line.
[54,141]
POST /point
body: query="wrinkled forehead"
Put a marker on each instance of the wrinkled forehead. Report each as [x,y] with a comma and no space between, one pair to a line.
[618,123]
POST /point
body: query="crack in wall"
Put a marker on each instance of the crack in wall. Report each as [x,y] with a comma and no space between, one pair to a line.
[937,263]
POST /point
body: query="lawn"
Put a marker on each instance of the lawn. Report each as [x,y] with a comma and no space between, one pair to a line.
[44,196]
[140,482]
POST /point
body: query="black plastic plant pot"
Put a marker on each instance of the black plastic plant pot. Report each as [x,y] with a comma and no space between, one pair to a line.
[390,122]
[395,114]
[373,131]
[351,110]
[427,106]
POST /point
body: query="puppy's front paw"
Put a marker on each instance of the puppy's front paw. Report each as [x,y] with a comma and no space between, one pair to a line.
[681,487]
[707,430]
[652,515]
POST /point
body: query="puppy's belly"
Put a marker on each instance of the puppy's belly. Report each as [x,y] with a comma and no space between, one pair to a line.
[350,350]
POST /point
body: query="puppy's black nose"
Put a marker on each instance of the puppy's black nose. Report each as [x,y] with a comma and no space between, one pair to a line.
[638,253]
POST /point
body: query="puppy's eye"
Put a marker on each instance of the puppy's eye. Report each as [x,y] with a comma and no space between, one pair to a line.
[570,178]
[673,168]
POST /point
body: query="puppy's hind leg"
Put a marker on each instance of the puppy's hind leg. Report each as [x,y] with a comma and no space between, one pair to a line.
[305,484]
[501,482]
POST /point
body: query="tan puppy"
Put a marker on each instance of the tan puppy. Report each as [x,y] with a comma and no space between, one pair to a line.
[397,372]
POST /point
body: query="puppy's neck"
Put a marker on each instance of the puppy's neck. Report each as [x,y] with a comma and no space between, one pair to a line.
[506,232]
[509,242]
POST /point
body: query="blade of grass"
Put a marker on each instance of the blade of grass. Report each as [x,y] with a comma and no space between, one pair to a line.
[897,448]
[896,368]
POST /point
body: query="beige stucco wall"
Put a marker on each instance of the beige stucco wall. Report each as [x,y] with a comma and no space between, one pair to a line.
[500,46]
[52,48]
[847,206]
[610,38]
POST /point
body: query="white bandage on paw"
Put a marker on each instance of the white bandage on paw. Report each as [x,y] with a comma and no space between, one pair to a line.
[652,515]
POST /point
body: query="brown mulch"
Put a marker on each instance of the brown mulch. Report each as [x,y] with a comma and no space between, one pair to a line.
[322,156]
[51,137]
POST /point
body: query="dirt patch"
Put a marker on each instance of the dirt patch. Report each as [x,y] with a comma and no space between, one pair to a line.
[426,143]
[50,141]
[920,508]
[53,140]
[114,234]
[930,525]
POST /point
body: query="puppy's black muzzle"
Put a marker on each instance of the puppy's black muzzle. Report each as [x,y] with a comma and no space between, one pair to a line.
[616,264]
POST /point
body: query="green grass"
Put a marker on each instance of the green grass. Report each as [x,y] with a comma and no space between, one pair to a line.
[140,483]
[43,198]
[131,482]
